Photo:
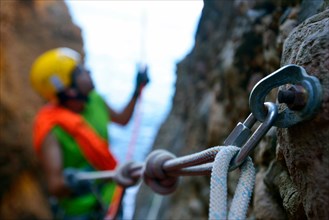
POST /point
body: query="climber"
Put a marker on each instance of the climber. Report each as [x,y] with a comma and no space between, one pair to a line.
[70,134]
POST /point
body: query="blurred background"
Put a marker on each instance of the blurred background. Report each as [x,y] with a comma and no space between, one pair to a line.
[118,37]
[204,58]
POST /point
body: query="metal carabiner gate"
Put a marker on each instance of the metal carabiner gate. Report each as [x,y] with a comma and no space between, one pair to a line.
[240,136]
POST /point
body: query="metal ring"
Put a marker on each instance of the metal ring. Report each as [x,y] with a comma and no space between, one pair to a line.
[290,74]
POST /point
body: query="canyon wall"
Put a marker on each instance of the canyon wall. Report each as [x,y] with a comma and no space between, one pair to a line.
[236,44]
[28,28]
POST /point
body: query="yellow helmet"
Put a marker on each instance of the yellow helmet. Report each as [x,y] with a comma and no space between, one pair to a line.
[52,71]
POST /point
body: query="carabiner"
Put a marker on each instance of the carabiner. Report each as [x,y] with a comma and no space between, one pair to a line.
[241,132]
[251,143]
[290,74]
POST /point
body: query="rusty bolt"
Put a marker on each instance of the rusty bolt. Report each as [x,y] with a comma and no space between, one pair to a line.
[295,97]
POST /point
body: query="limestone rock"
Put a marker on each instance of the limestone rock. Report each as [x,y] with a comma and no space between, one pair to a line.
[28,28]
[236,44]
[305,146]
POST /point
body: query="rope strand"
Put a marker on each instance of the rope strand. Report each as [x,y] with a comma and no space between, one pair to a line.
[218,186]
[191,160]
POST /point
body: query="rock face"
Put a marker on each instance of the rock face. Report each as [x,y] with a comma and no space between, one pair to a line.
[28,28]
[304,148]
[236,44]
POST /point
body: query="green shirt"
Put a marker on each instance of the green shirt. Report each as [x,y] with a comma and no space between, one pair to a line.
[96,114]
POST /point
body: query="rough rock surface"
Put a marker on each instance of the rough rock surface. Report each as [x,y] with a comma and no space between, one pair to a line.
[236,44]
[305,147]
[28,28]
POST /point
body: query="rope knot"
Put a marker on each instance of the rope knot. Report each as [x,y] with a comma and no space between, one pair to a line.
[123,175]
[154,174]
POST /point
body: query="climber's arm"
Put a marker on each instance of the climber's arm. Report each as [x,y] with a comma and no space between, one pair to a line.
[123,117]
[51,161]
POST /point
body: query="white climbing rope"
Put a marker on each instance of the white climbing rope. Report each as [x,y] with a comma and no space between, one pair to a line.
[218,186]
